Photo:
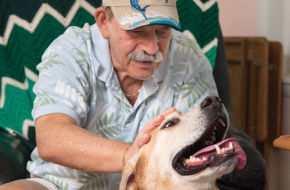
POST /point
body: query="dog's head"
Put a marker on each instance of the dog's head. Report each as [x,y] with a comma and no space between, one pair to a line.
[186,150]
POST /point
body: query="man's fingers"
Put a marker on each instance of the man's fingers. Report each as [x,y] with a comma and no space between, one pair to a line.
[153,124]
[144,140]
[168,112]
[144,136]
[158,120]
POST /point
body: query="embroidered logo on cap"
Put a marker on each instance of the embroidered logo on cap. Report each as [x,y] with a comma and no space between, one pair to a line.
[135,6]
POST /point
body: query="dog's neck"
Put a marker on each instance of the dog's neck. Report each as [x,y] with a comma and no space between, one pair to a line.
[156,182]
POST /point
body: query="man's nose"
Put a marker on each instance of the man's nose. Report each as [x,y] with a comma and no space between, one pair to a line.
[150,43]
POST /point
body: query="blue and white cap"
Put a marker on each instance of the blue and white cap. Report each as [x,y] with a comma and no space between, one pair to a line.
[132,14]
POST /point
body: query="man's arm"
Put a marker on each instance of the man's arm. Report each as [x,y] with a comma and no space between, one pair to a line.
[61,141]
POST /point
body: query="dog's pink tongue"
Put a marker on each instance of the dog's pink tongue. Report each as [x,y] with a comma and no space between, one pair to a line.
[242,159]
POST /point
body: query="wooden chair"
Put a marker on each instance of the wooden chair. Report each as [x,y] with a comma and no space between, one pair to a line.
[255,68]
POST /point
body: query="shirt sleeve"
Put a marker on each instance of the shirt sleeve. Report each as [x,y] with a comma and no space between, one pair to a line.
[63,83]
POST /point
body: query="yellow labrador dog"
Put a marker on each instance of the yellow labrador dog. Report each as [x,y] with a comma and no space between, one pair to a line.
[186,152]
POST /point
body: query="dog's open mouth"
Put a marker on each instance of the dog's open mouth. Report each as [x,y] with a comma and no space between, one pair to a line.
[209,151]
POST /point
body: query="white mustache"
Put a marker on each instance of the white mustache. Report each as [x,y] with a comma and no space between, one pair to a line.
[142,56]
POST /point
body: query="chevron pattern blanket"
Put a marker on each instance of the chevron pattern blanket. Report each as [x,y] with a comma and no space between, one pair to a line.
[28,27]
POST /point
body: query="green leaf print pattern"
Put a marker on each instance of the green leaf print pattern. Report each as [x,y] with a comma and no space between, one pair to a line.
[191,90]
[60,184]
[49,61]
[94,181]
[108,125]
[83,32]
[82,53]
[44,100]
[186,41]
[154,114]
[127,107]
[82,62]
[177,87]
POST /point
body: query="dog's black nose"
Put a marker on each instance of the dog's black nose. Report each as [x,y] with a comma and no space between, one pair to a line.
[211,100]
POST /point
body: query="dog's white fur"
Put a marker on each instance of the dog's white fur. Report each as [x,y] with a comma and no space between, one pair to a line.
[152,165]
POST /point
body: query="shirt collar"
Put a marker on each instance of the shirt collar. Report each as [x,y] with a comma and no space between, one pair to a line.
[101,51]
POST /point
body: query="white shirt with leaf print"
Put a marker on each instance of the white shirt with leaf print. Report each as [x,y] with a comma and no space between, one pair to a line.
[77,78]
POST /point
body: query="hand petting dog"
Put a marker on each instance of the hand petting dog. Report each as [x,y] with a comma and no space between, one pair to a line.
[145,134]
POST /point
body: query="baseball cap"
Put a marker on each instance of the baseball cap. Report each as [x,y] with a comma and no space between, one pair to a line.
[132,14]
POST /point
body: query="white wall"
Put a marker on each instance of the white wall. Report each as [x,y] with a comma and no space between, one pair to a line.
[258,18]
[271,19]
[274,23]
[237,18]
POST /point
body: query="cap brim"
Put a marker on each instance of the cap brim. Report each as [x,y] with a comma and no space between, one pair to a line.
[129,18]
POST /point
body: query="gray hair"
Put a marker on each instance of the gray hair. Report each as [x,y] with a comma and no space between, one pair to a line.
[145,57]
[109,12]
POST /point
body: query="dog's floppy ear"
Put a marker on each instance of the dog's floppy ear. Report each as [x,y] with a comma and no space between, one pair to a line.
[128,174]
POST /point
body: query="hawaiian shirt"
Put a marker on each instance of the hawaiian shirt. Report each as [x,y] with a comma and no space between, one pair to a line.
[76,77]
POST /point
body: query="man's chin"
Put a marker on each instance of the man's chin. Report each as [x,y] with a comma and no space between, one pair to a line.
[143,78]
[145,70]
[139,75]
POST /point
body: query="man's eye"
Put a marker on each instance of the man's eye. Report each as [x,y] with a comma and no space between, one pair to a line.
[137,31]
[164,32]
[170,123]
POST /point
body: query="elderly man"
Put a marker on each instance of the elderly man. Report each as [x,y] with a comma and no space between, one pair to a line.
[103,88]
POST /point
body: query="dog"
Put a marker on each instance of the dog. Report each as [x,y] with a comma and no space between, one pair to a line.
[186,152]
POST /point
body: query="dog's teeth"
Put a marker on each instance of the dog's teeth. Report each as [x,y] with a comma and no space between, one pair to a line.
[217,148]
[221,122]
[231,146]
[223,150]
[191,158]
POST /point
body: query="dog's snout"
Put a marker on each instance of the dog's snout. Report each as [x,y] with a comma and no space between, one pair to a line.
[211,101]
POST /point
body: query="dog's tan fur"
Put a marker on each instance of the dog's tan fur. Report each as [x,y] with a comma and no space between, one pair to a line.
[151,166]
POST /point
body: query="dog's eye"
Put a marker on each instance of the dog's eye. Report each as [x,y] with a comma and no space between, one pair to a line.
[170,123]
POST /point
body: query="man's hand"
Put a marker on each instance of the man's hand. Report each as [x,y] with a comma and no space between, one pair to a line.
[144,136]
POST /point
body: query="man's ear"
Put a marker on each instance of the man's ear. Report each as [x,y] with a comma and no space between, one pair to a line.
[102,20]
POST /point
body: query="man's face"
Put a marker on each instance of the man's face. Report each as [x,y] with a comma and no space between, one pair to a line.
[138,53]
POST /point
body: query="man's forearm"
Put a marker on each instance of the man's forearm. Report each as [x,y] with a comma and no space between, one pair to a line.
[61,141]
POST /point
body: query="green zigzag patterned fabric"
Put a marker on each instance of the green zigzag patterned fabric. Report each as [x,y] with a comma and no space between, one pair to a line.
[28,27]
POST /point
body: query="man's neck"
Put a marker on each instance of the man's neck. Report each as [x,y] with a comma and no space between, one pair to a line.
[130,87]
